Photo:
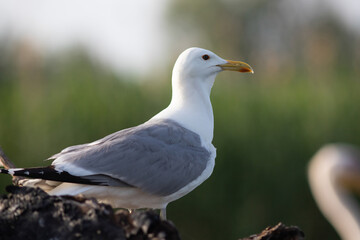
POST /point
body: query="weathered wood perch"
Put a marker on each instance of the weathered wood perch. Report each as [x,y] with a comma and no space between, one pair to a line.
[29,213]
[278,232]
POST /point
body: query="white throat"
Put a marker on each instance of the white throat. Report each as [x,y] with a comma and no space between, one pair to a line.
[190,105]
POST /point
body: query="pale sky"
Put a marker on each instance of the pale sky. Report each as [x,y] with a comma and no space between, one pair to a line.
[128,36]
[346,11]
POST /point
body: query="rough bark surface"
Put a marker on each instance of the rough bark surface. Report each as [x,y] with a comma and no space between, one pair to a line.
[28,213]
[278,232]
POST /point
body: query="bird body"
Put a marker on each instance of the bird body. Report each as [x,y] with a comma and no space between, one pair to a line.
[333,173]
[152,164]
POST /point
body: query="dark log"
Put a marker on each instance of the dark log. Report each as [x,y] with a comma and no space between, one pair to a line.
[29,213]
[278,232]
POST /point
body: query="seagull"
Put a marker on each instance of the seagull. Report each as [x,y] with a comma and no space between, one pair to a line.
[333,173]
[152,164]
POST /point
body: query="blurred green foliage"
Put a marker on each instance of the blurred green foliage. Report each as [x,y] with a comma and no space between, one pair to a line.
[304,94]
[265,133]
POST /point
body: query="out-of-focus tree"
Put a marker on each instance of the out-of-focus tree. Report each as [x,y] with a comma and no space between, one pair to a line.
[306,67]
[278,37]
[265,133]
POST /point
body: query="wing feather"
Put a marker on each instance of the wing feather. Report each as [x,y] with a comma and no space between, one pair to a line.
[158,157]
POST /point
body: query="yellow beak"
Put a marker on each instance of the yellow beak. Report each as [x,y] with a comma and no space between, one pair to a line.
[236,66]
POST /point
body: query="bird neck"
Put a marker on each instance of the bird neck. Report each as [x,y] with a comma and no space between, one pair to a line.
[339,207]
[190,106]
[345,213]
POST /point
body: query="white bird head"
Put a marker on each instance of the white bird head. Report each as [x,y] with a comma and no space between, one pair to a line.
[195,71]
[198,63]
[193,77]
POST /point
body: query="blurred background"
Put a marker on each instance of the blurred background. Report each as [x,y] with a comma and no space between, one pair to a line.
[73,72]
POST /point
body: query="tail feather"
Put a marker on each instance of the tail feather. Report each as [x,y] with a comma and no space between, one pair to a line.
[50,173]
[4,171]
[19,175]
[47,173]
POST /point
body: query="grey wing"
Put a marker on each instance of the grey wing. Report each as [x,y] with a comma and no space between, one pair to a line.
[159,158]
[80,147]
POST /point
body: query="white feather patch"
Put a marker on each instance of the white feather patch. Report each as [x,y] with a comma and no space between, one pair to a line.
[72,169]
[12,171]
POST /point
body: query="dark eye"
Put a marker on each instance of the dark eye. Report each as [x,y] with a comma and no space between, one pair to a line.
[205,57]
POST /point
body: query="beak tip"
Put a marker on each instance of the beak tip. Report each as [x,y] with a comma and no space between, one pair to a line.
[237,66]
[247,70]
[251,70]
